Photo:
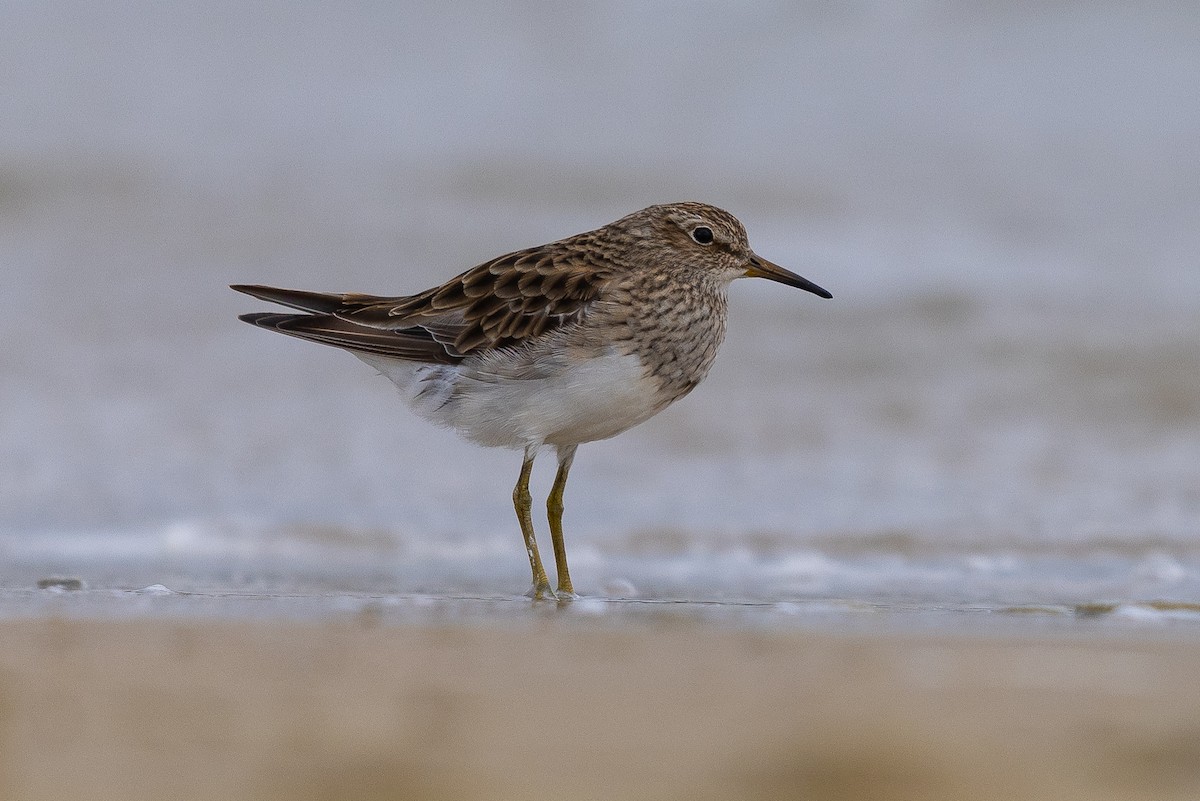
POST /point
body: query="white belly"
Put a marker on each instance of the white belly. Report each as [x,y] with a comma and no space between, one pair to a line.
[499,404]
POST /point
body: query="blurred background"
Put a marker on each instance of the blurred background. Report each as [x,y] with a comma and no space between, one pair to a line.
[1000,404]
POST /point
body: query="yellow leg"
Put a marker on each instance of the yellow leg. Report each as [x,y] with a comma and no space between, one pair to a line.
[523,502]
[554,509]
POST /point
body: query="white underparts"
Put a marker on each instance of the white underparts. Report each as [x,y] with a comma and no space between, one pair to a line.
[514,403]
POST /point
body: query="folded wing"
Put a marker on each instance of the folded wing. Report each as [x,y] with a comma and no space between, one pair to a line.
[498,304]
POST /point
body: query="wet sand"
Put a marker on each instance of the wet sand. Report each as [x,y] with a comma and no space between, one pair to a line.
[546,708]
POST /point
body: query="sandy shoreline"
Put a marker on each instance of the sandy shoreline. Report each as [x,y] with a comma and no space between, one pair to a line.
[224,710]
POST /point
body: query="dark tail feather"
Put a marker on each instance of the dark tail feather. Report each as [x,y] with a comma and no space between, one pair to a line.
[414,344]
[320,302]
[267,319]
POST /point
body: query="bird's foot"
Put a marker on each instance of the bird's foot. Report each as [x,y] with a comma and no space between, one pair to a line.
[541,592]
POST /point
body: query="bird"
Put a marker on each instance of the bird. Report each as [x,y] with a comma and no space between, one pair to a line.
[552,346]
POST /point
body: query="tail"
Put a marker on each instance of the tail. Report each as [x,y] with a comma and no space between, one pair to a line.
[323,325]
[319,302]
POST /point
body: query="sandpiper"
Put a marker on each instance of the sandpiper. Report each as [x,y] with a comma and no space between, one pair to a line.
[560,344]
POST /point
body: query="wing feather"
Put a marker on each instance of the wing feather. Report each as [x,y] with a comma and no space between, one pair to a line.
[414,344]
[500,303]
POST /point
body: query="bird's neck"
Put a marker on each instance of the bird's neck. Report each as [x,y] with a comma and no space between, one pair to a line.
[678,329]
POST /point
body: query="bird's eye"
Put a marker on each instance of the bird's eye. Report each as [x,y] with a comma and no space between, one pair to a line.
[702,234]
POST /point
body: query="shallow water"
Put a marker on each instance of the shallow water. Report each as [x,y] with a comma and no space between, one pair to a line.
[293,573]
[998,411]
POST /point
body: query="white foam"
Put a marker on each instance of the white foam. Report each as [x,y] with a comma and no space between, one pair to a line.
[155,589]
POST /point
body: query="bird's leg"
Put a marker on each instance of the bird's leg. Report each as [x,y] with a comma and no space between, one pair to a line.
[554,509]
[523,502]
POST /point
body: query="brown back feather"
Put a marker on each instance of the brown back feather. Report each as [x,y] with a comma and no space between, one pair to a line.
[496,304]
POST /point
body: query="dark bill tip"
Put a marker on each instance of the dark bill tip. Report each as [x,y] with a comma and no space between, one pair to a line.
[761,268]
